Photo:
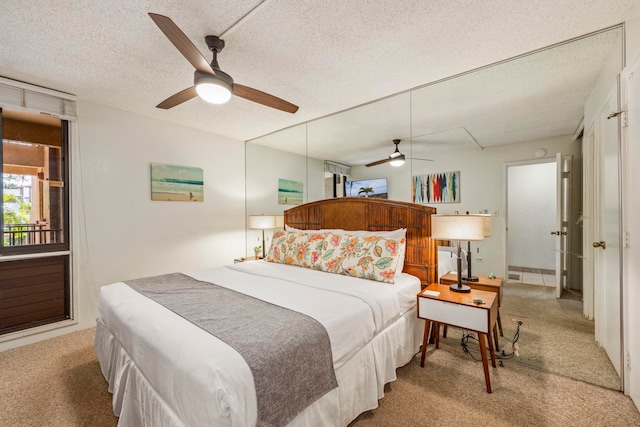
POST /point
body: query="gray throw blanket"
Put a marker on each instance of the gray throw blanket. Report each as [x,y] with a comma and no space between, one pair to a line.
[289,353]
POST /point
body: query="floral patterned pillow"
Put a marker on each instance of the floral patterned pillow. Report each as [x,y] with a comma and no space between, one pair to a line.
[296,248]
[369,257]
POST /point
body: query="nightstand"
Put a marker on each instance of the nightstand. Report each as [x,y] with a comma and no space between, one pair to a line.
[484,283]
[437,304]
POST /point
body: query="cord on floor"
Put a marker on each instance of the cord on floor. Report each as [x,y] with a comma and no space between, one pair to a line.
[502,355]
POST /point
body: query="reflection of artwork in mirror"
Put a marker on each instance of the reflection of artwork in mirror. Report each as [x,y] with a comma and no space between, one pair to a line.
[376,187]
[443,187]
[176,183]
[289,192]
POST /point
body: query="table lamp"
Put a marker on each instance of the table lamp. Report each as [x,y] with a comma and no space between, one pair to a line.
[487,233]
[458,227]
[265,222]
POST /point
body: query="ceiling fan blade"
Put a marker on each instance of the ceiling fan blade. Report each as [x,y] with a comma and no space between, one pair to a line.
[263,98]
[182,43]
[416,158]
[379,162]
[178,98]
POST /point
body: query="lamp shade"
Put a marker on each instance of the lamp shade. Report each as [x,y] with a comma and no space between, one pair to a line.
[487,223]
[263,222]
[457,227]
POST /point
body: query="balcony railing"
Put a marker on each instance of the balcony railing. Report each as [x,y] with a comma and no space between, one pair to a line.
[30,234]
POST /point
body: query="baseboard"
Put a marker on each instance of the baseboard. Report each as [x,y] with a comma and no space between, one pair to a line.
[531,270]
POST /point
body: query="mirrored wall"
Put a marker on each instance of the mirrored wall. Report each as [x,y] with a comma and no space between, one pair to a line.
[531,97]
[480,119]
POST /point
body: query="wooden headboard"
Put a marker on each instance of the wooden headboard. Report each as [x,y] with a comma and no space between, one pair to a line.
[361,213]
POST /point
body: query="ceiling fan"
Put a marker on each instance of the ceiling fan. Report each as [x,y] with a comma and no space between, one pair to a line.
[395,159]
[210,82]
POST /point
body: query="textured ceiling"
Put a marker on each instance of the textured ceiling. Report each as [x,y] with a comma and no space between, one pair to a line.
[324,56]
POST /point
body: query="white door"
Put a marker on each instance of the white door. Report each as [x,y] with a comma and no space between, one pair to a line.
[606,247]
[630,91]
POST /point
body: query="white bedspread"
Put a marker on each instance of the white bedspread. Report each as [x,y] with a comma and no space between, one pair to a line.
[189,377]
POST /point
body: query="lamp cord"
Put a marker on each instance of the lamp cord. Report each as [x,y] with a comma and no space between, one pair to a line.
[514,345]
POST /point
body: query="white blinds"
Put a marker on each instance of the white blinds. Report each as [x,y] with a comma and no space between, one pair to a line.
[337,168]
[25,97]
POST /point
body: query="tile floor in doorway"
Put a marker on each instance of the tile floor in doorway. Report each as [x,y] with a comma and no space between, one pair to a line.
[532,278]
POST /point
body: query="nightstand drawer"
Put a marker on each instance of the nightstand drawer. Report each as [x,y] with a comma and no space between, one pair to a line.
[463,316]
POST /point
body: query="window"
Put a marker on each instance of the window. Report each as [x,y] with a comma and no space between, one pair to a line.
[35,256]
[35,199]
[35,280]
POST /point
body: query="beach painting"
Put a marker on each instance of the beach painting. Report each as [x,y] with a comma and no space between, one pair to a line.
[289,192]
[176,183]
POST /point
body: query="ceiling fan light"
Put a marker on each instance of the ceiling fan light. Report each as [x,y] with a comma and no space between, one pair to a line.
[397,161]
[214,91]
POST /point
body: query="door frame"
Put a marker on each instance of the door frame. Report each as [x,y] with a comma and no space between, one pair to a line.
[588,224]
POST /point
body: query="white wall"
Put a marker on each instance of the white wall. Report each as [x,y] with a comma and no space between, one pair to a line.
[118,232]
[531,195]
[482,180]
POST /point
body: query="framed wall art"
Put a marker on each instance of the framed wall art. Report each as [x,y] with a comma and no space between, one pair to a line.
[442,187]
[289,192]
[176,183]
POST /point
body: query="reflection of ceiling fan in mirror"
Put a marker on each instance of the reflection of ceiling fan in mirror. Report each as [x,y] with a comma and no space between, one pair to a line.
[210,83]
[396,158]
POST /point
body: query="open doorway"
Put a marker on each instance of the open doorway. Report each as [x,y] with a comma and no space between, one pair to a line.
[544,220]
[532,210]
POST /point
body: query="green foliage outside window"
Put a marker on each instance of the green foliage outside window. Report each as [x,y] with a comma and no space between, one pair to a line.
[14,217]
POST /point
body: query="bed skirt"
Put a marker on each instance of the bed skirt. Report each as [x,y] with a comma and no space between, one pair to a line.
[361,380]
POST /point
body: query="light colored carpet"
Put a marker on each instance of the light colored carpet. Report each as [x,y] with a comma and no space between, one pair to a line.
[58,383]
[556,337]
[450,391]
[54,383]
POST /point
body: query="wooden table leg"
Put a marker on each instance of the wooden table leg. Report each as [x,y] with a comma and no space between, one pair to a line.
[425,341]
[485,362]
[438,334]
[495,337]
[492,351]
[500,323]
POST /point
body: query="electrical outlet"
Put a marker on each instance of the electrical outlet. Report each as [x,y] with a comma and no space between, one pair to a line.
[479,259]
[515,319]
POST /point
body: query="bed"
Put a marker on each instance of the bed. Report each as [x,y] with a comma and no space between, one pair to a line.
[165,370]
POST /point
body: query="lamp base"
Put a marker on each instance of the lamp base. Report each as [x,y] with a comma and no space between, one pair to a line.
[461,289]
[471,279]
